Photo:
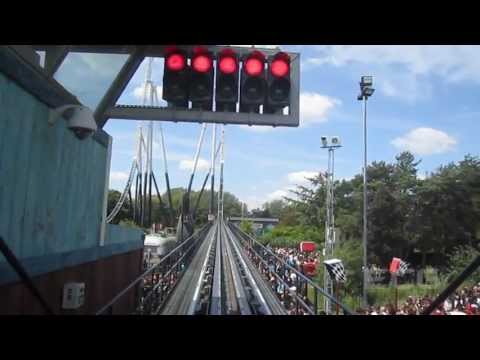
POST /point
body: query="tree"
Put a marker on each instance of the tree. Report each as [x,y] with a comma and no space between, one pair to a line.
[350,252]
[124,213]
[247,227]
[459,259]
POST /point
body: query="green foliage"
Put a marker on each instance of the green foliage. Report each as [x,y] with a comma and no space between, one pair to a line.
[124,213]
[160,210]
[459,259]
[292,236]
[350,252]
[407,216]
[128,223]
[247,226]
[383,295]
[432,216]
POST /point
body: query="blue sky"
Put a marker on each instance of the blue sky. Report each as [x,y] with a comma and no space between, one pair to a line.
[426,101]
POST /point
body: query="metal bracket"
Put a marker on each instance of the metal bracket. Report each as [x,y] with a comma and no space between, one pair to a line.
[54,57]
[118,85]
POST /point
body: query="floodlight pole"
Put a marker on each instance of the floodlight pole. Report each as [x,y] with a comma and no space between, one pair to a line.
[365,264]
[366,90]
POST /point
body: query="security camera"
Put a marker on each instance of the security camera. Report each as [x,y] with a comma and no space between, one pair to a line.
[335,140]
[81,121]
[324,140]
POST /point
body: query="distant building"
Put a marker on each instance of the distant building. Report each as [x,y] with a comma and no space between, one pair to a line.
[260,225]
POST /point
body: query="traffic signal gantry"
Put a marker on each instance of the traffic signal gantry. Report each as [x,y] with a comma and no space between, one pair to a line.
[202,84]
[225,84]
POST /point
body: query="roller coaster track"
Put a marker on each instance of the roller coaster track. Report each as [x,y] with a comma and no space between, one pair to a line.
[124,195]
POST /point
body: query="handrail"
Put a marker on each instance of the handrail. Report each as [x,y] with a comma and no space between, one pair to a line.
[22,273]
[148,271]
[309,281]
[453,285]
[284,283]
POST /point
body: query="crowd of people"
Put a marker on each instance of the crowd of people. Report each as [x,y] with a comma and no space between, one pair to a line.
[465,301]
[284,281]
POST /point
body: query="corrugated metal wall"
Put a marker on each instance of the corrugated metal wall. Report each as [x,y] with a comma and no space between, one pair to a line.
[51,183]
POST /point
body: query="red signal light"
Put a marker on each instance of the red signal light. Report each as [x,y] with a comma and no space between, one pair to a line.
[255,63]
[228,65]
[279,68]
[280,65]
[176,62]
[202,63]
[254,66]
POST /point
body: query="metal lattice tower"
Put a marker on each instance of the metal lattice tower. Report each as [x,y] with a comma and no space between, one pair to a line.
[329,221]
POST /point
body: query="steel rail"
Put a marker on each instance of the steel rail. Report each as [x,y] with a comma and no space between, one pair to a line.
[216,298]
[256,293]
[196,293]
[239,286]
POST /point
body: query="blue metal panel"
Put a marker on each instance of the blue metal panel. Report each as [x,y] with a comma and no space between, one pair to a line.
[119,234]
[38,188]
[49,180]
[15,156]
[51,184]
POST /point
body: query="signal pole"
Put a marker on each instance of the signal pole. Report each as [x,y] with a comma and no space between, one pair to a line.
[331,145]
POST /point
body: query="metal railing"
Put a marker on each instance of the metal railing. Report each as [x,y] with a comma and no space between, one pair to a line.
[267,261]
[153,287]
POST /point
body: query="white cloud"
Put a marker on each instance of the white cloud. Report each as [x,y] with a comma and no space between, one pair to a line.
[301,177]
[402,71]
[277,195]
[140,89]
[188,164]
[118,180]
[259,129]
[314,107]
[254,202]
[453,62]
[425,141]
[421,176]
[118,176]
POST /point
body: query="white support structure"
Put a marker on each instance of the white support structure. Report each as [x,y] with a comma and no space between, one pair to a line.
[162,139]
[222,163]
[199,147]
[103,225]
[143,159]
[212,170]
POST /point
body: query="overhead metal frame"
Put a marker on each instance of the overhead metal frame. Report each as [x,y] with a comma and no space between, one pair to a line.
[106,109]
[54,58]
[118,85]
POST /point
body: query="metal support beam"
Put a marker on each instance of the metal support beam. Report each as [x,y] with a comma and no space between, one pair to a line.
[54,57]
[118,85]
[147,113]
[159,50]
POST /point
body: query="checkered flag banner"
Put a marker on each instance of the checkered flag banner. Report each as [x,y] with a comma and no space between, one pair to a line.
[402,269]
[336,270]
